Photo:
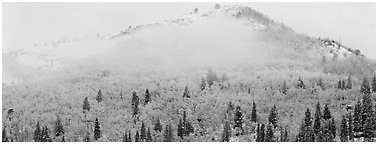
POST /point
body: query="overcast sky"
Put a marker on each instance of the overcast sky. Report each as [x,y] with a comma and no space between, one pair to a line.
[25,24]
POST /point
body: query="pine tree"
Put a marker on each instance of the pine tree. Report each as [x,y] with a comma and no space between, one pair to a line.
[58,127]
[180,128]
[343,87]
[373,85]
[37,133]
[269,134]
[46,136]
[130,140]
[124,138]
[357,117]
[254,115]
[344,130]
[285,137]
[149,137]
[320,83]
[120,94]
[273,116]
[137,136]
[327,114]
[147,97]
[186,93]
[97,131]
[258,130]
[187,126]
[168,136]
[99,96]
[157,126]
[327,134]
[143,134]
[238,118]
[135,103]
[262,133]
[4,136]
[63,139]
[317,121]
[333,128]
[86,105]
[350,127]
[226,134]
[306,133]
[365,87]
[349,82]
[367,117]
[339,85]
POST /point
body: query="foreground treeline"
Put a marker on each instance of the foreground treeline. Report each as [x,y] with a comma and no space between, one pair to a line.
[237,122]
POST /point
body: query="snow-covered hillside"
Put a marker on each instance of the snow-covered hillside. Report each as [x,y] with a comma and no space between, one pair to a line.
[223,37]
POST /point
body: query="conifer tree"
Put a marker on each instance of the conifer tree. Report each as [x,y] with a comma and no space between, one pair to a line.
[149,137]
[317,121]
[373,85]
[147,97]
[273,116]
[262,133]
[97,131]
[285,137]
[58,127]
[339,85]
[135,103]
[226,134]
[46,136]
[188,128]
[333,128]
[365,87]
[137,136]
[168,134]
[350,127]
[327,134]
[238,118]
[63,139]
[4,136]
[258,137]
[326,113]
[37,133]
[157,126]
[86,105]
[143,134]
[124,138]
[367,117]
[254,115]
[180,128]
[186,93]
[99,96]
[344,130]
[320,83]
[306,133]
[343,87]
[130,140]
[349,82]
[357,123]
[269,134]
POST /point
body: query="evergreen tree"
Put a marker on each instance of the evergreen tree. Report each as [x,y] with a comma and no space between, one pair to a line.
[301,84]
[157,126]
[327,134]
[317,121]
[180,128]
[326,113]
[262,133]
[130,140]
[168,134]
[86,105]
[333,128]
[258,137]
[147,97]
[4,136]
[120,94]
[273,116]
[320,83]
[63,139]
[58,127]
[186,93]
[357,117]
[367,117]
[339,85]
[254,114]
[349,82]
[124,139]
[365,87]
[37,133]
[344,130]
[97,131]
[373,85]
[135,103]
[99,96]
[137,136]
[226,134]
[343,87]
[350,127]
[285,137]
[306,133]
[188,128]
[46,136]
[238,118]
[143,134]
[269,134]
[149,137]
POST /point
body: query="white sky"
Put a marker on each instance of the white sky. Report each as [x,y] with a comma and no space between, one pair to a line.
[25,24]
